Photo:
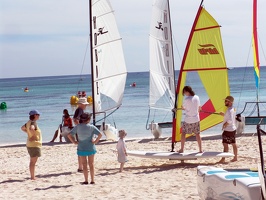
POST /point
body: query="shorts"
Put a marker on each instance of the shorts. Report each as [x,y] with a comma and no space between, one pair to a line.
[85,153]
[34,151]
[229,137]
[189,128]
[65,131]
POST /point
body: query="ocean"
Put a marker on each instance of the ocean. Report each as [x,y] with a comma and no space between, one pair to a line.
[50,95]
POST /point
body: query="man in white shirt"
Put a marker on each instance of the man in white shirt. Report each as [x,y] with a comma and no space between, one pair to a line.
[229,128]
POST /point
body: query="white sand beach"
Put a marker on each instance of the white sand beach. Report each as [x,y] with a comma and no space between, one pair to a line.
[57,176]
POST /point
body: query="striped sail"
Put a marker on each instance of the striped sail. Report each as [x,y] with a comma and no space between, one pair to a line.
[108,66]
[162,83]
[255,48]
[203,61]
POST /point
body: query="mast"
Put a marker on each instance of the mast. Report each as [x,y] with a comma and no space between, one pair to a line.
[91,56]
[180,75]
[162,74]
[171,38]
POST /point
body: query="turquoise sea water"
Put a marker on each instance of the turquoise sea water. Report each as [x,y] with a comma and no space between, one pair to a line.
[50,95]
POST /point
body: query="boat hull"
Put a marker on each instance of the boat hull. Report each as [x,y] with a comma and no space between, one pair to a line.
[110,132]
[217,183]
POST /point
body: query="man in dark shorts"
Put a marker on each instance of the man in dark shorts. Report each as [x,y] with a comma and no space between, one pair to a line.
[229,127]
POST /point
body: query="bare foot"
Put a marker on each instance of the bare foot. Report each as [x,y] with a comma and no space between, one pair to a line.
[180,151]
[234,160]
[201,151]
[222,161]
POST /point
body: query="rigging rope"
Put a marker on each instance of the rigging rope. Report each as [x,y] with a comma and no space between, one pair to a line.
[245,72]
[84,58]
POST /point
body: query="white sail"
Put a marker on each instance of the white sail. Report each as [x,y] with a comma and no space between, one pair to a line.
[109,69]
[162,83]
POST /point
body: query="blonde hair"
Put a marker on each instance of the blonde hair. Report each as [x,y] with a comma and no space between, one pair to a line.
[122,133]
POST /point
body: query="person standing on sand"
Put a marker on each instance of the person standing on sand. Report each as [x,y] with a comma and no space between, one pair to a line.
[229,127]
[86,144]
[121,149]
[34,140]
[82,103]
[191,123]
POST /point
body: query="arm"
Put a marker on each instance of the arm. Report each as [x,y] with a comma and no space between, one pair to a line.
[125,149]
[228,118]
[76,121]
[70,137]
[199,109]
[70,124]
[32,136]
[76,116]
[23,128]
[33,133]
[97,139]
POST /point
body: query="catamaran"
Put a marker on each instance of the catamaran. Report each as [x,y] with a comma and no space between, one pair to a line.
[162,73]
[256,115]
[219,183]
[203,62]
[108,68]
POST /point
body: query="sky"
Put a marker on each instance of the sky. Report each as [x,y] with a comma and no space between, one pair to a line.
[49,38]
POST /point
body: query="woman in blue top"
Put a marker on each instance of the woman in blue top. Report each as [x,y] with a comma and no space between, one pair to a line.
[86,144]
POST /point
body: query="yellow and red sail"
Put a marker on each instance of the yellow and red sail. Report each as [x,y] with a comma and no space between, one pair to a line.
[203,61]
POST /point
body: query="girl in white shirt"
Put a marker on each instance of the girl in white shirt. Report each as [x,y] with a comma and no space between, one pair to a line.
[121,149]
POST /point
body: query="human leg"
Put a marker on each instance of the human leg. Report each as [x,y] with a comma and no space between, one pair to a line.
[199,142]
[225,150]
[84,162]
[195,128]
[235,152]
[183,136]
[55,136]
[80,166]
[121,167]
[32,164]
[183,140]
[91,165]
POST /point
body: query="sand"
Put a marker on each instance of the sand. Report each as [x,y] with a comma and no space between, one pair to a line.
[57,176]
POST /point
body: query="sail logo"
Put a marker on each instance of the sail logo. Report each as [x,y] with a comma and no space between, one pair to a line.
[207,49]
[101,31]
[160,26]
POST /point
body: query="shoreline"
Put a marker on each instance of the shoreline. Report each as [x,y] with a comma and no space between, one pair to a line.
[151,138]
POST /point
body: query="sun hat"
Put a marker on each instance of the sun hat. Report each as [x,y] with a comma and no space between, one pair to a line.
[229,98]
[85,117]
[34,112]
[83,101]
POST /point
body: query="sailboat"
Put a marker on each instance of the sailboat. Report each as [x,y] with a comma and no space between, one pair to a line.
[244,184]
[162,73]
[255,116]
[203,62]
[108,68]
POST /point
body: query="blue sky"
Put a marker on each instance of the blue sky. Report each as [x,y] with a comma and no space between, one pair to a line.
[45,38]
